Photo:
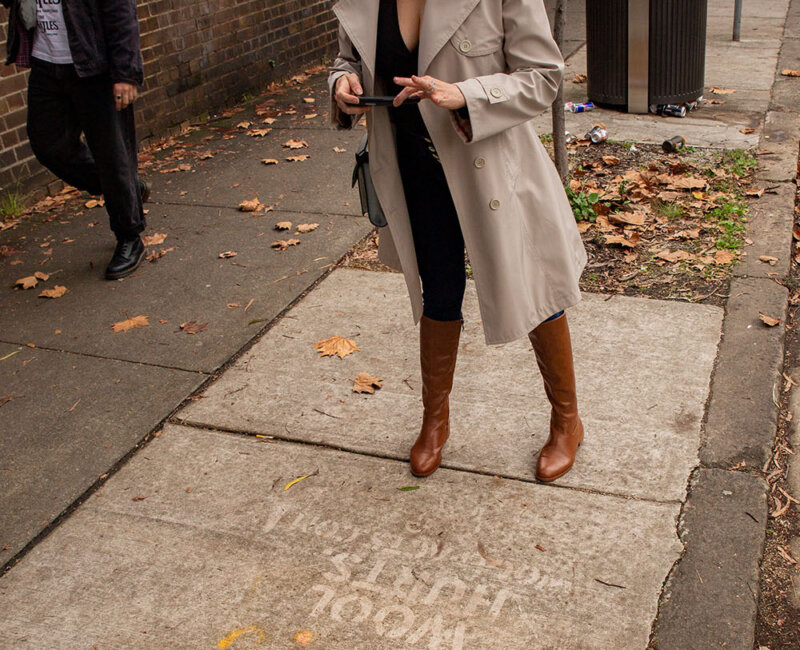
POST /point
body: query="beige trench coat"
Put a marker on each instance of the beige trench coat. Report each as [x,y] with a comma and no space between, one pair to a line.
[521,237]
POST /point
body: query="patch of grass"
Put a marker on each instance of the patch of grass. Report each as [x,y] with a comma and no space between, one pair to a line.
[730,215]
[669,210]
[583,205]
[246,97]
[11,205]
[739,161]
[546,138]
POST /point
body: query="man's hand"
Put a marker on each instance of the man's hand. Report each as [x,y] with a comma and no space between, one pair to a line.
[124,95]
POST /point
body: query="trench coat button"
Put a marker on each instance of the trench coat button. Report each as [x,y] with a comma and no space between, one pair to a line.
[479,162]
[494,204]
[465,46]
[496,92]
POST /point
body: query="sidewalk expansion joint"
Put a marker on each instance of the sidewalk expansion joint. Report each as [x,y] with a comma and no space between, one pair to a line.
[275,211]
[105,358]
[266,438]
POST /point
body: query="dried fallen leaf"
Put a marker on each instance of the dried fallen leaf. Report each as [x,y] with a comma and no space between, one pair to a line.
[627,218]
[269,161]
[339,149]
[227,254]
[611,160]
[674,256]
[269,120]
[243,125]
[583,226]
[772,261]
[790,73]
[295,144]
[721,91]
[233,305]
[56,292]
[620,240]
[283,244]
[28,282]
[44,277]
[724,257]
[309,100]
[299,158]
[580,78]
[252,205]
[310,116]
[307,227]
[95,203]
[366,383]
[756,192]
[193,327]
[259,133]
[304,637]
[154,239]
[747,131]
[131,324]
[283,225]
[335,346]
[769,321]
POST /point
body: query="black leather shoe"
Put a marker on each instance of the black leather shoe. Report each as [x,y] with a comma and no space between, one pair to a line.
[144,190]
[127,257]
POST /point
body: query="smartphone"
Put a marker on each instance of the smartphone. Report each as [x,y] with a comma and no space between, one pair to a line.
[384,100]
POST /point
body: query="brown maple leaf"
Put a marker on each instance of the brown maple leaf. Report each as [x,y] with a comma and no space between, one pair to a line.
[295,144]
[253,205]
[56,292]
[335,346]
[299,158]
[283,244]
[366,383]
[131,324]
[269,161]
[193,327]
[283,225]
[154,239]
[307,227]
[227,254]
[769,321]
[28,282]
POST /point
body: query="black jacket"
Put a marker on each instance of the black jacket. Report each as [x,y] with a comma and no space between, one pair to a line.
[103,37]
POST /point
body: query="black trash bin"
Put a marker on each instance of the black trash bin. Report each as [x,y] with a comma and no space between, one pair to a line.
[675,46]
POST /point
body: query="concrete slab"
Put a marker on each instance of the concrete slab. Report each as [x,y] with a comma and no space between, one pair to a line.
[641,407]
[785,89]
[793,479]
[71,418]
[319,184]
[188,283]
[218,550]
[769,226]
[741,424]
[711,597]
[780,138]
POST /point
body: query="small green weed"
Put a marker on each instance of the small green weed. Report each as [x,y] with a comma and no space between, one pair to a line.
[583,205]
[738,161]
[11,205]
[546,138]
[669,210]
[730,216]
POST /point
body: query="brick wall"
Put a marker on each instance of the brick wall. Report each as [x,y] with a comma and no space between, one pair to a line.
[198,55]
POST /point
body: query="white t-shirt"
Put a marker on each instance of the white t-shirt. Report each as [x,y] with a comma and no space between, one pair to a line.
[50,41]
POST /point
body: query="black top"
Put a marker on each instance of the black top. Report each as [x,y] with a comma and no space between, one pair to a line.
[393,59]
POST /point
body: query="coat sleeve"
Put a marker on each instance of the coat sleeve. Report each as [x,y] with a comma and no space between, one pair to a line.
[347,61]
[500,101]
[121,29]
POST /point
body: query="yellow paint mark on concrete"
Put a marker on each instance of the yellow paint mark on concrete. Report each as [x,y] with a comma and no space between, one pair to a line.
[228,640]
[297,480]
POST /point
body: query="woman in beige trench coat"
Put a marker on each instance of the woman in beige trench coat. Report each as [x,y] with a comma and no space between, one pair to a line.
[484,68]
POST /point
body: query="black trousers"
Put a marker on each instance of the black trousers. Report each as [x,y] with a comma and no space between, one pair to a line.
[438,241]
[61,106]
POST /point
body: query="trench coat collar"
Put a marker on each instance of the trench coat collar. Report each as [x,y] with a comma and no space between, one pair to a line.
[359,18]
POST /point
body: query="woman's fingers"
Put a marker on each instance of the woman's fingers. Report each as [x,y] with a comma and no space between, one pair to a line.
[404,94]
[348,87]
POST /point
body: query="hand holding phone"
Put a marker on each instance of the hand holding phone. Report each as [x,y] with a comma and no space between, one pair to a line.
[382,100]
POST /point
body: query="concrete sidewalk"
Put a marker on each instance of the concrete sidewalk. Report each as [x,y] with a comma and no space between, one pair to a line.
[201,538]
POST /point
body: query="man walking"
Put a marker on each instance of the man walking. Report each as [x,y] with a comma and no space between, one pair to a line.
[86,68]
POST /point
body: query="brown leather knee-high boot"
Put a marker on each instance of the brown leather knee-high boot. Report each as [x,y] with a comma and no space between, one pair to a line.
[438,349]
[551,343]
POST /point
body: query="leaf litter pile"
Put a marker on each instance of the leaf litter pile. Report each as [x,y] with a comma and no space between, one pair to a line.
[654,224]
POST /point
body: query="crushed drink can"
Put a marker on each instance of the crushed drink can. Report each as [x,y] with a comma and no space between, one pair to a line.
[597,134]
[674,144]
[671,110]
[579,108]
[692,106]
[569,137]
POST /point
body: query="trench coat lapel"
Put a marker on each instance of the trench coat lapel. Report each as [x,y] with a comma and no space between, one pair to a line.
[359,19]
[438,26]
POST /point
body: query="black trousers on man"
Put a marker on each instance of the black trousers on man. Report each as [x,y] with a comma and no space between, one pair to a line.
[61,106]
